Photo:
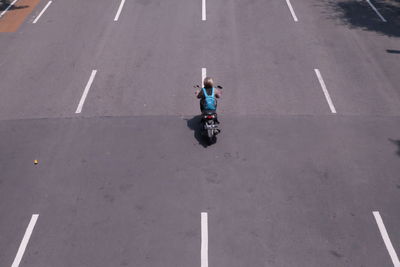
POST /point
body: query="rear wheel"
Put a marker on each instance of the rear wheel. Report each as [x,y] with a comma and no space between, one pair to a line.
[210,133]
[213,139]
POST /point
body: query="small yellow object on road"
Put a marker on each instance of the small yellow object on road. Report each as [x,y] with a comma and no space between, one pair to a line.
[35,161]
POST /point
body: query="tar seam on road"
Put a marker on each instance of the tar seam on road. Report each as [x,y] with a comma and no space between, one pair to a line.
[376,11]
[203,10]
[326,93]
[9,6]
[25,240]
[292,10]
[204,239]
[41,13]
[386,239]
[203,75]
[82,101]
[119,10]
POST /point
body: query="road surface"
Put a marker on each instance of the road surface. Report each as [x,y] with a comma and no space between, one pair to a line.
[100,93]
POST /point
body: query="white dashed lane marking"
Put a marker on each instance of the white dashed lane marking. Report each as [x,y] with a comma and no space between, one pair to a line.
[121,5]
[204,239]
[203,10]
[41,13]
[376,11]
[25,240]
[292,10]
[86,91]
[386,239]
[325,90]
[203,75]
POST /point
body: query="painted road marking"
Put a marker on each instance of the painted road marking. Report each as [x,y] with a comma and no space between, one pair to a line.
[326,93]
[386,239]
[41,13]
[203,75]
[25,240]
[203,10]
[119,10]
[9,6]
[376,11]
[88,85]
[204,239]
[292,10]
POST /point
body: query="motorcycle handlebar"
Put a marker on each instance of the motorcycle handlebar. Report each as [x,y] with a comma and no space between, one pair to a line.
[218,86]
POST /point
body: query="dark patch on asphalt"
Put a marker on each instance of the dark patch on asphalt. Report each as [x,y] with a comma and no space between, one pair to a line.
[359,14]
[227,155]
[125,187]
[124,262]
[234,156]
[109,198]
[391,51]
[139,207]
[397,143]
[191,233]
[250,190]
[212,177]
[336,254]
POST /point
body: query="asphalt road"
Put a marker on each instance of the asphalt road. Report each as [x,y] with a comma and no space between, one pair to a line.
[124,182]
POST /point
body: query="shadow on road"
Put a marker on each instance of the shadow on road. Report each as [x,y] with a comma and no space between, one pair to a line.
[397,143]
[393,51]
[194,124]
[359,14]
[5,3]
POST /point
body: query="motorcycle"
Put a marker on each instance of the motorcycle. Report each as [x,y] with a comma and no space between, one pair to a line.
[209,123]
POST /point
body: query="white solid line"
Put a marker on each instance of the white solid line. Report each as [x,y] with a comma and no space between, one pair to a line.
[326,93]
[386,239]
[292,10]
[203,10]
[41,13]
[376,11]
[82,101]
[119,10]
[25,240]
[203,75]
[204,239]
[9,6]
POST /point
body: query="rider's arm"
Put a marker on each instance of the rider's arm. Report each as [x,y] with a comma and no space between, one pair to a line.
[218,93]
[199,93]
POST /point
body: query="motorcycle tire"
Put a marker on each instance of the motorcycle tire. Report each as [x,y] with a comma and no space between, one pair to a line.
[212,139]
[211,133]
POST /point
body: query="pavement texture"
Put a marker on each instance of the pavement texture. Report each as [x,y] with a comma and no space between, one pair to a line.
[288,183]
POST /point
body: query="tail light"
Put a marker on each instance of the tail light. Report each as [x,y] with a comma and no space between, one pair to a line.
[210,117]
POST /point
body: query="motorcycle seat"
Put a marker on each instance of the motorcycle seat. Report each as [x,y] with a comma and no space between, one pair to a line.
[209,112]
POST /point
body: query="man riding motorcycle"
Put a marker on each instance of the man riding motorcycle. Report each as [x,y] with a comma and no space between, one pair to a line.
[208,95]
[208,106]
